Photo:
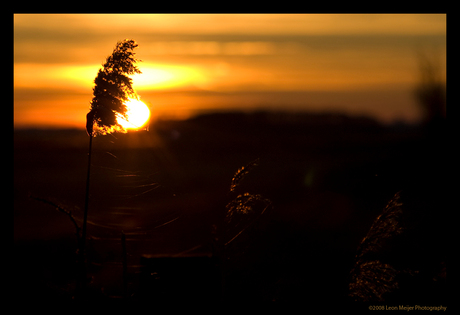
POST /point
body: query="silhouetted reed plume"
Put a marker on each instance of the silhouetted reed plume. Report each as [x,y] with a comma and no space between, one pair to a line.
[241,173]
[373,278]
[245,209]
[113,87]
[402,259]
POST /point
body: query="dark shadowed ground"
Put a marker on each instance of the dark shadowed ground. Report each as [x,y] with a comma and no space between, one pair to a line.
[328,177]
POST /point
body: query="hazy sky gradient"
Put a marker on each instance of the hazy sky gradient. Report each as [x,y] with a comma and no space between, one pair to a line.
[355,64]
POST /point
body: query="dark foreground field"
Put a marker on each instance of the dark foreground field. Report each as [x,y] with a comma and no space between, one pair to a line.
[327,177]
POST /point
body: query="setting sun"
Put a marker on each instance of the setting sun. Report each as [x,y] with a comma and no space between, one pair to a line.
[138,114]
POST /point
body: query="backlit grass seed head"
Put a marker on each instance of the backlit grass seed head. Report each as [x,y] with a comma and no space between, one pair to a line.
[372,278]
[113,87]
[245,204]
[241,173]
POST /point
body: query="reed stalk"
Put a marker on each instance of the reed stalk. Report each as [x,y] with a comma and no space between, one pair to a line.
[82,249]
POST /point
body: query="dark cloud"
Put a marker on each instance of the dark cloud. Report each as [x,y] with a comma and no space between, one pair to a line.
[88,38]
[73,45]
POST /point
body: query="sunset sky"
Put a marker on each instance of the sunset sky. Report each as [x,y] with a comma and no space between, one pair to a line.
[352,64]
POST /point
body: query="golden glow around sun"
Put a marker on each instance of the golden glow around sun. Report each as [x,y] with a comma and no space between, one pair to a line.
[157,76]
[138,115]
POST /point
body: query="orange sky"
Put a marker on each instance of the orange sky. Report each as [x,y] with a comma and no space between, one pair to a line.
[355,64]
